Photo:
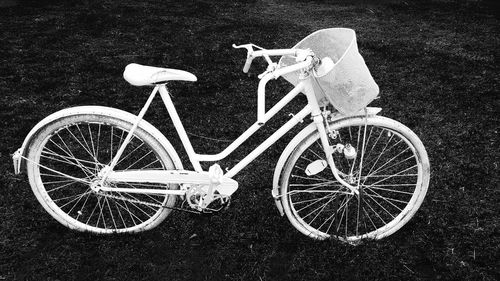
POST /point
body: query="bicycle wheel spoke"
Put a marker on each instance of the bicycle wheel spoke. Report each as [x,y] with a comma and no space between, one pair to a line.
[307,178]
[315,191]
[331,217]
[100,216]
[79,142]
[346,200]
[379,169]
[391,190]
[59,187]
[86,169]
[329,197]
[385,150]
[65,175]
[75,197]
[386,199]
[362,154]
[92,213]
[69,159]
[131,165]
[58,182]
[69,153]
[316,154]
[119,213]
[369,218]
[375,212]
[357,149]
[130,153]
[322,209]
[380,205]
[360,203]
[76,203]
[399,174]
[315,202]
[111,145]
[306,201]
[120,142]
[91,153]
[111,213]
[148,165]
[135,219]
[375,143]
[313,185]
[98,141]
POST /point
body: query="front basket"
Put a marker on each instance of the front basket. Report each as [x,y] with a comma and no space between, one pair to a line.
[349,87]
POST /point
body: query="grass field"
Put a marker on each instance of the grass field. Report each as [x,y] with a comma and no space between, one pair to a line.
[436,63]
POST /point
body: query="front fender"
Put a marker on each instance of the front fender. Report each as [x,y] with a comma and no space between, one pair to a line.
[295,141]
[21,153]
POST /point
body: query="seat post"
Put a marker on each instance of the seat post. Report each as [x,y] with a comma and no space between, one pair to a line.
[179,127]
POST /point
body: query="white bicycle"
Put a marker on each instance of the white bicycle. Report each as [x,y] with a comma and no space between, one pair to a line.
[350,174]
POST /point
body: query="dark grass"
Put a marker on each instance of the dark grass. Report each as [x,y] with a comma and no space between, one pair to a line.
[435,63]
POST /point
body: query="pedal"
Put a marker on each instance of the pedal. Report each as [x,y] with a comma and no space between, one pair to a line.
[213,195]
[217,205]
[223,185]
[215,174]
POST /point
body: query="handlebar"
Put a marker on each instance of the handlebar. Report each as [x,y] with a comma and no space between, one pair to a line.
[251,54]
[249,60]
[304,59]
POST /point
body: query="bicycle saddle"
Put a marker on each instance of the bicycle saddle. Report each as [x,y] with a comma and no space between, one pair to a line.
[142,75]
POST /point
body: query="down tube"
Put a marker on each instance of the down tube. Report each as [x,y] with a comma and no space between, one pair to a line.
[270,141]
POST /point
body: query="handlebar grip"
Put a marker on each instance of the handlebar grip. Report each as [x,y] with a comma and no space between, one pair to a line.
[248,63]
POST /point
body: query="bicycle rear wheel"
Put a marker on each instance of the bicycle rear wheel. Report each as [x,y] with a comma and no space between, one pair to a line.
[65,159]
[390,167]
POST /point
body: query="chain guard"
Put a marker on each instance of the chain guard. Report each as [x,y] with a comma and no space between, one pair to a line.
[150,204]
[218,204]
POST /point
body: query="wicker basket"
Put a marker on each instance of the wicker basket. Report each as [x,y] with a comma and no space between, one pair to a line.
[349,87]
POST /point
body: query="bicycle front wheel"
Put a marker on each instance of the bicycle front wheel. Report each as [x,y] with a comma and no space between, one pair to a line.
[65,159]
[383,159]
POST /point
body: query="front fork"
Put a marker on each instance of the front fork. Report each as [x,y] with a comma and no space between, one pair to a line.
[320,123]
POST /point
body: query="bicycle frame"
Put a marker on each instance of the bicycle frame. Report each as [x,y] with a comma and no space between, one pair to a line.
[196,158]
[312,108]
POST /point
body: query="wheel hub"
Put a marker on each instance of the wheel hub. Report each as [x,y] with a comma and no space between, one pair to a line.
[95,185]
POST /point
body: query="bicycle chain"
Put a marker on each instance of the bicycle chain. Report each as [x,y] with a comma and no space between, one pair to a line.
[149,204]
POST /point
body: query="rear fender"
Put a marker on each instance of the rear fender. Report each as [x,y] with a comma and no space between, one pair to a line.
[296,140]
[21,153]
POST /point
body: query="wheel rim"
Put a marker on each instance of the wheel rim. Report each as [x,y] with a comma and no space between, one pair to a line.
[69,160]
[390,185]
